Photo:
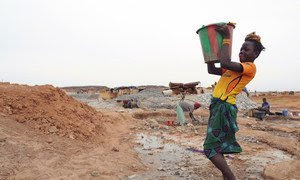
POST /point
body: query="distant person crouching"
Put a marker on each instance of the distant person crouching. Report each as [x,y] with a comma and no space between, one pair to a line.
[184,106]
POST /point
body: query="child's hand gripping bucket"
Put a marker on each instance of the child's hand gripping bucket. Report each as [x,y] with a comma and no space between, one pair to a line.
[211,41]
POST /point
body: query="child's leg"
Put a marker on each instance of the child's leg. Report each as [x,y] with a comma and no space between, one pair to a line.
[220,162]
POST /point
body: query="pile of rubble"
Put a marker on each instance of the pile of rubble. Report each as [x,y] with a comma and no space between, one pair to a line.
[242,101]
[150,99]
[142,95]
[189,88]
[154,99]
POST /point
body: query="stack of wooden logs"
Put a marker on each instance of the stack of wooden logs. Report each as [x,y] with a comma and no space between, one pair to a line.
[188,88]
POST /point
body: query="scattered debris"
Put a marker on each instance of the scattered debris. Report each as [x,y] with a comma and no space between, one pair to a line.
[115,149]
[53,129]
[95,173]
[132,176]
[195,150]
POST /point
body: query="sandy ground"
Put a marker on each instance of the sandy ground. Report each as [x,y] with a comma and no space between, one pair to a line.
[175,152]
[26,154]
[279,102]
[136,144]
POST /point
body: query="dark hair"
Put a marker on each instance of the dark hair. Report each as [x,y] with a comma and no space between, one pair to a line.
[264,99]
[258,47]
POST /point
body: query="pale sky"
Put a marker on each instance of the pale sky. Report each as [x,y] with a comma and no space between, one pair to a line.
[139,42]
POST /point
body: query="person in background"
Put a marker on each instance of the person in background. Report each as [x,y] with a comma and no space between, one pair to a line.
[132,103]
[246,91]
[184,106]
[265,106]
[127,104]
[222,125]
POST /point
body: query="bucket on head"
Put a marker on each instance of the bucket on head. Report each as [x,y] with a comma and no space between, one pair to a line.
[211,41]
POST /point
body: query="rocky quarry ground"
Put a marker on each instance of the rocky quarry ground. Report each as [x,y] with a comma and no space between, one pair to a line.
[48,134]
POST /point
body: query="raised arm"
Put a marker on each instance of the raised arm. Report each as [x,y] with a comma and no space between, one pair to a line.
[212,69]
[226,62]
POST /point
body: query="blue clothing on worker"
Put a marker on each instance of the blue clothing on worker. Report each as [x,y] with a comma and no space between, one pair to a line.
[246,91]
[265,105]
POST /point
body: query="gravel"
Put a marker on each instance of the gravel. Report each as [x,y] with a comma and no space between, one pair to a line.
[154,99]
[96,102]
[144,94]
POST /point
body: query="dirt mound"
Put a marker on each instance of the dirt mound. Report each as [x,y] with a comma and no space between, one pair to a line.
[50,110]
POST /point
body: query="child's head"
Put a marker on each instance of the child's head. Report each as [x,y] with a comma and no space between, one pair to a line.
[251,48]
[264,100]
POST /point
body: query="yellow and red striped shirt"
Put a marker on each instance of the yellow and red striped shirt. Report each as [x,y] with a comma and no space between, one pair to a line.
[231,83]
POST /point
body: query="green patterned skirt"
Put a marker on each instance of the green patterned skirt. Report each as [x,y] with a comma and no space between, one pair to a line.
[221,129]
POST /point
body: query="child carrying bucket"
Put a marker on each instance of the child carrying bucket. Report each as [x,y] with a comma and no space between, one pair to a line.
[222,125]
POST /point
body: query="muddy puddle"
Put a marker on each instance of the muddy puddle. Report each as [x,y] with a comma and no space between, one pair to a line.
[167,160]
[170,156]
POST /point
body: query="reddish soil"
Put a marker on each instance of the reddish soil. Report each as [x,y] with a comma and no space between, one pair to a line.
[45,134]
[50,110]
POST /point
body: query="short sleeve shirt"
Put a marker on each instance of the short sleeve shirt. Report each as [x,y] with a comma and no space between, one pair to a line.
[231,83]
[265,105]
[186,107]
